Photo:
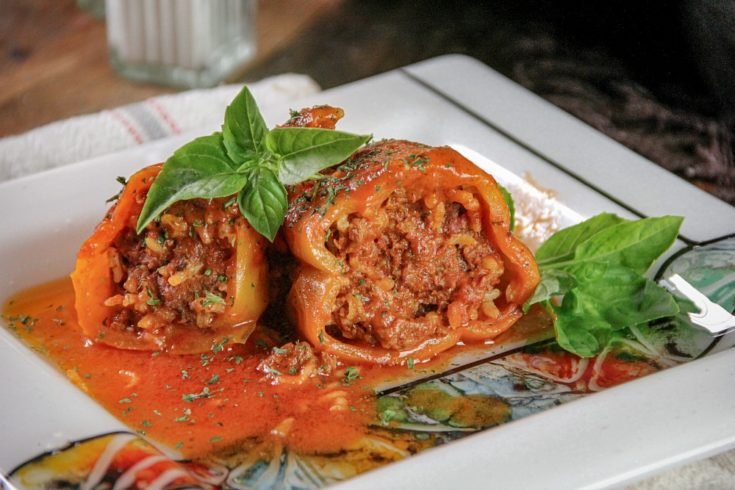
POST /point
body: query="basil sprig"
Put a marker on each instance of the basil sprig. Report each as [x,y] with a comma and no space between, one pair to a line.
[598,267]
[247,159]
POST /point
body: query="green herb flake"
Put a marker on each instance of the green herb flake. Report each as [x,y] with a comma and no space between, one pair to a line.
[190,397]
[351,374]
[152,299]
[220,345]
[236,359]
[230,202]
[214,379]
[212,299]
[120,180]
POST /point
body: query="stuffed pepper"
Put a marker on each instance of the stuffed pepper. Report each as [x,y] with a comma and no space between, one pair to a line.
[195,277]
[404,250]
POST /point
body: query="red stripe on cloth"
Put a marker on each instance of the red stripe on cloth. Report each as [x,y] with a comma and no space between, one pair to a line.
[164,115]
[129,126]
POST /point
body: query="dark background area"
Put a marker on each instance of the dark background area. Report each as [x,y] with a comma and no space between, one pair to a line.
[645,73]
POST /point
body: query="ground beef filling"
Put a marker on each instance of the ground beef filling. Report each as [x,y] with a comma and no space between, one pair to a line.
[418,268]
[178,271]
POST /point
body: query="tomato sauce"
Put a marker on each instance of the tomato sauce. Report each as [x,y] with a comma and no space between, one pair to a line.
[195,404]
[209,403]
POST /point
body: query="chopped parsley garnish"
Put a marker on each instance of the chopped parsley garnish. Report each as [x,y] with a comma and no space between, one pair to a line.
[351,374]
[190,397]
[152,299]
[185,417]
[219,345]
[212,299]
[121,181]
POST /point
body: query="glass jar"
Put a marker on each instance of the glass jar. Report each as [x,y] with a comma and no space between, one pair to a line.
[186,43]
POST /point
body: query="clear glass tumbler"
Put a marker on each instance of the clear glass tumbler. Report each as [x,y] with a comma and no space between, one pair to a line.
[186,43]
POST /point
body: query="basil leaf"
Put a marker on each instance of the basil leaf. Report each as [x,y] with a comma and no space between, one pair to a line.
[554,282]
[199,169]
[264,202]
[562,244]
[598,266]
[633,244]
[511,205]
[596,310]
[244,130]
[574,334]
[623,298]
[306,151]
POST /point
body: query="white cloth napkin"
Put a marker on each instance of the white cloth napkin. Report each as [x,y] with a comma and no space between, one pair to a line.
[78,138]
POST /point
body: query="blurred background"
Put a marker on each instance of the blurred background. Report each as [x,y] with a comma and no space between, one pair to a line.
[658,76]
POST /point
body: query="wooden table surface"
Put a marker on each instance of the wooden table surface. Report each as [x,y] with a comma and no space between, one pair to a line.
[54,61]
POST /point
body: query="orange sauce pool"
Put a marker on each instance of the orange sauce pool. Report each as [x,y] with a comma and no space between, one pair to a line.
[206,403]
[193,403]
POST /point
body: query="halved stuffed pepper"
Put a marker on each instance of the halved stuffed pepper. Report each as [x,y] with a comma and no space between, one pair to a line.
[404,251]
[195,277]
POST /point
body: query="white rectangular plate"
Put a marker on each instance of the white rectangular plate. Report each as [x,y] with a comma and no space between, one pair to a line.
[602,440]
